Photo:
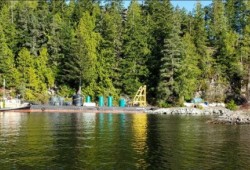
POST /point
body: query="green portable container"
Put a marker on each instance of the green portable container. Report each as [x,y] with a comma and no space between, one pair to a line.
[88,99]
[122,103]
[101,101]
[110,101]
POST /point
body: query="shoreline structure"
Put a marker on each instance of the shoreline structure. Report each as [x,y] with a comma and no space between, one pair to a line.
[221,115]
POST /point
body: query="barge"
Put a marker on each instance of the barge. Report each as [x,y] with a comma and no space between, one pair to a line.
[51,108]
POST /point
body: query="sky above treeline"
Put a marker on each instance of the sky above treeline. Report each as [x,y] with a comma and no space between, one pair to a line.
[187,4]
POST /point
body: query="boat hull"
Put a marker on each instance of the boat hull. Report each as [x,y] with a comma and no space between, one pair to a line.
[15,108]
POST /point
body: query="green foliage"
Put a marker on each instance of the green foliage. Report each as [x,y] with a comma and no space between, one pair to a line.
[111,28]
[35,76]
[187,82]
[135,51]
[65,91]
[25,63]
[235,13]
[231,105]
[8,26]
[160,27]
[244,52]
[86,48]
[44,73]
[42,98]
[7,65]
[163,104]
[109,51]
[170,64]
[55,41]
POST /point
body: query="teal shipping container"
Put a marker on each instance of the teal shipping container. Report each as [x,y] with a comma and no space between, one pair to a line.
[110,101]
[122,103]
[101,101]
[88,99]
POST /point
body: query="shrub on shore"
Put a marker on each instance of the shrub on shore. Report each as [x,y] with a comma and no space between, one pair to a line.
[231,105]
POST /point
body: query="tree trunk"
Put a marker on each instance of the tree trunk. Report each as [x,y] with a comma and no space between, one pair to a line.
[248,86]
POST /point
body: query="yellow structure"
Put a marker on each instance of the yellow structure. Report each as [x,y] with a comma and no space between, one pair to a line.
[140,97]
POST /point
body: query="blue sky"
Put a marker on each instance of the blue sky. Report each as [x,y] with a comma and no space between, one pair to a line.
[187,4]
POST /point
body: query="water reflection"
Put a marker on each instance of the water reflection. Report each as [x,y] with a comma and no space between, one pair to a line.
[10,123]
[119,141]
[139,139]
[122,118]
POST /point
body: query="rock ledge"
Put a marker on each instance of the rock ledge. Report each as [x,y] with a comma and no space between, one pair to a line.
[220,115]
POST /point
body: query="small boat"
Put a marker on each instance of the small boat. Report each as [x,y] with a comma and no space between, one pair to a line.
[13,104]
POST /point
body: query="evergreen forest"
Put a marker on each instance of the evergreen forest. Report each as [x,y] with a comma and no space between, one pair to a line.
[107,49]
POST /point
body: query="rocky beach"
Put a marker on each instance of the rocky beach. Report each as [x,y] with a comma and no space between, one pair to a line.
[220,115]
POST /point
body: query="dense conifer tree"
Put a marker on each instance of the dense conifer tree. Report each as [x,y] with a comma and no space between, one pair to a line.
[8,26]
[111,29]
[204,51]
[160,26]
[7,65]
[28,78]
[170,63]
[135,50]
[189,70]
[82,66]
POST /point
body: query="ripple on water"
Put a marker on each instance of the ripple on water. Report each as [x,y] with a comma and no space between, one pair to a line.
[121,141]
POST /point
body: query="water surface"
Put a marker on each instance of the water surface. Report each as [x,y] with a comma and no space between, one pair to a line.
[120,141]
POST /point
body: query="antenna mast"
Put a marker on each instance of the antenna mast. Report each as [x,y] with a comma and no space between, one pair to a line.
[4,89]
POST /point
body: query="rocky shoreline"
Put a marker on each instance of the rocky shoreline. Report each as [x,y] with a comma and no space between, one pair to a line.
[220,115]
[233,117]
[190,111]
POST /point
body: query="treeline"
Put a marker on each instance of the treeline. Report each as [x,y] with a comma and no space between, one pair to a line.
[109,50]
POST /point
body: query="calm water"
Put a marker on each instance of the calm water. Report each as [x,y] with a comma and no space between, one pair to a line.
[119,141]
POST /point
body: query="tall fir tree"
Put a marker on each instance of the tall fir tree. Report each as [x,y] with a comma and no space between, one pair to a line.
[203,48]
[189,72]
[44,72]
[7,64]
[111,29]
[135,50]
[82,66]
[31,24]
[160,26]
[8,25]
[170,63]
[225,43]
[55,42]
[29,81]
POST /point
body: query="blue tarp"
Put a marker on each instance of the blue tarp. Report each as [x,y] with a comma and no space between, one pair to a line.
[197,100]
